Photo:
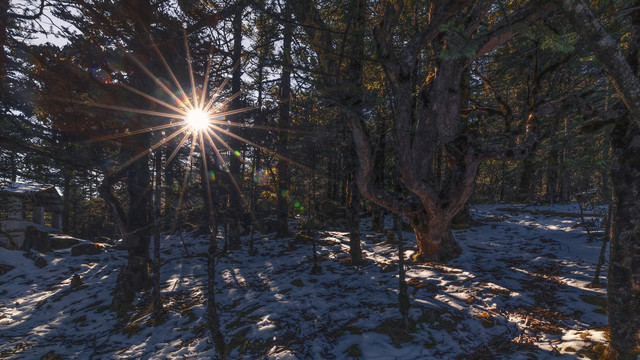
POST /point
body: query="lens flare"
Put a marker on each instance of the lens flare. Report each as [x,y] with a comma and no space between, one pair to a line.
[197,119]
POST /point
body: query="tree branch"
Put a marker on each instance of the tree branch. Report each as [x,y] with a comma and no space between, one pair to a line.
[29,17]
[607,52]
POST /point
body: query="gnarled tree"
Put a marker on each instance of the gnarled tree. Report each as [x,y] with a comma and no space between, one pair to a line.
[423,64]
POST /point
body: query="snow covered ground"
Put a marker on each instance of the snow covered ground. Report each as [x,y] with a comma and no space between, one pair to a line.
[518,291]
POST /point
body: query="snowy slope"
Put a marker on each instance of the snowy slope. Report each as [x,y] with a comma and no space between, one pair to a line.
[518,291]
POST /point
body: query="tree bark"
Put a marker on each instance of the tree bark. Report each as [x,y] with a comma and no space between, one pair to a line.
[624,258]
[67,174]
[353,217]
[377,211]
[284,123]
[235,196]
[158,310]
[134,276]
[435,240]
[213,320]
[4,23]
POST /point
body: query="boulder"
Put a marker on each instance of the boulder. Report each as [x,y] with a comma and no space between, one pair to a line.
[40,262]
[51,355]
[4,268]
[102,240]
[87,249]
[62,241]
[76,281]
[36,240]
[267,225]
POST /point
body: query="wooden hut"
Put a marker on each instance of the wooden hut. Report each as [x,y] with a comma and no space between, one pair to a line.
[27,204]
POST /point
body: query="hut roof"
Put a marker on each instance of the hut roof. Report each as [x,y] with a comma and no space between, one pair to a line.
[35,194]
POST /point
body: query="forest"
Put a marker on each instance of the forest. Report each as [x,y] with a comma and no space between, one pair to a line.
[319,179]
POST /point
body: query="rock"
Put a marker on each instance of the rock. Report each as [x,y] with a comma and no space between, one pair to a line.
[102,240]
[36,239]
[62,242]
[4,268]
[391,239]
[41,262]
[268,225]
[76,281]
[87,249]
[51,355]
[386,268]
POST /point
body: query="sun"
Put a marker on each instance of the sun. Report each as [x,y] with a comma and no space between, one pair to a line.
[197,119]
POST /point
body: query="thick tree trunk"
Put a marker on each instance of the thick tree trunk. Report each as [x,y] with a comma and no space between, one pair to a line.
[624,259]
[435,240]
[134,276]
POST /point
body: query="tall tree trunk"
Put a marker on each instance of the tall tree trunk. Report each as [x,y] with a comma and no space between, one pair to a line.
[353,217]
[377,212]
[354,98]
[4,23]
[624,258]
[235,197]
[404,302]
[135,275]
[169,211]
[67,175]
[158,310]
[213,320]
[284,123]
[565,182]
[552,169]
